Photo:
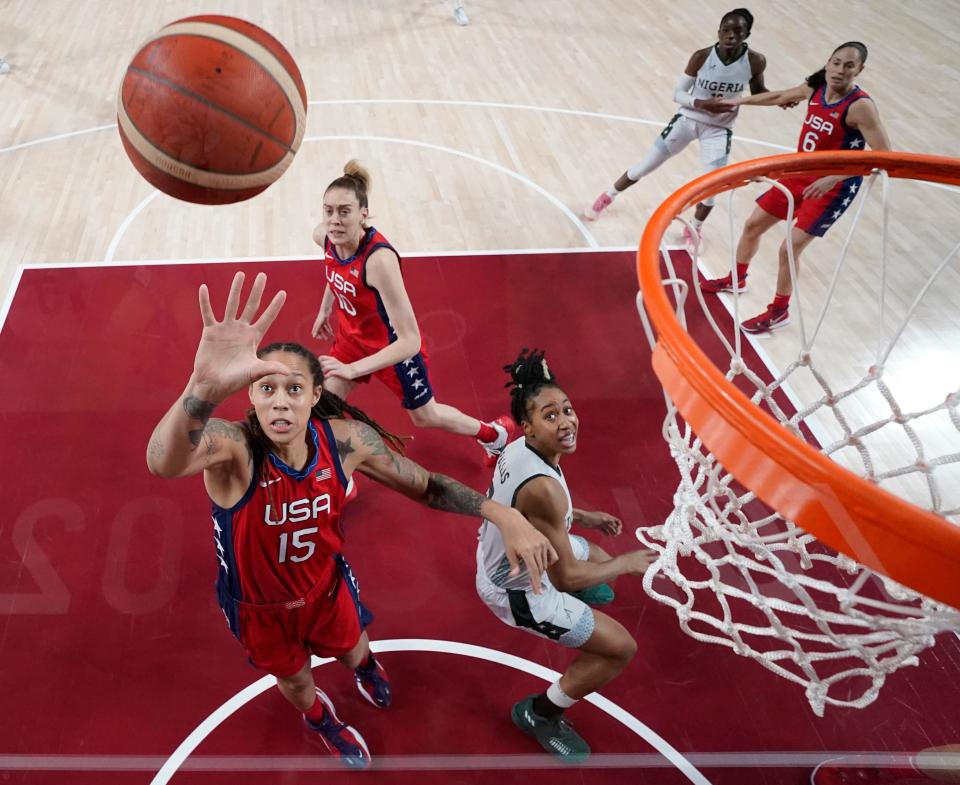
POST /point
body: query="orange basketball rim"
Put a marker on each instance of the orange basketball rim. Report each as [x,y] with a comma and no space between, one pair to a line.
[893,537]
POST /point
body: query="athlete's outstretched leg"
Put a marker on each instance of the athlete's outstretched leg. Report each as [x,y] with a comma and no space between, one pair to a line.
[777,313]
[800,240]
[493,436]
[679,132]
[339,387]
[651,161]
[759,222]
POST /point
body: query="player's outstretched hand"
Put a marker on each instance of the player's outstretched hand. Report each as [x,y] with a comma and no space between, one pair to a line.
[716,105]
[523,543]
[226,358]
[640,560]
[602,521]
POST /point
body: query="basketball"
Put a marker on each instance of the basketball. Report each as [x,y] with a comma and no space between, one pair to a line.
[212,110]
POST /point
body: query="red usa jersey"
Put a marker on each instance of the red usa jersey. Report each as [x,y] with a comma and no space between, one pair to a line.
[825,126]
[277,544]
[363,317]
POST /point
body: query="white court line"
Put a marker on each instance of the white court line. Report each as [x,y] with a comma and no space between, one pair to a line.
[574,219]
[15,281]
[11,293]
[532,108]
[56,138]
[478,104]
[193,740]
[319,257]
[571,216]
[112,248]
[513,762]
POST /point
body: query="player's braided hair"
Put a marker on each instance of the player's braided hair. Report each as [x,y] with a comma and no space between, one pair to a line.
[329,406]
[743,12]
[529,374]
[819,78]
[354,178]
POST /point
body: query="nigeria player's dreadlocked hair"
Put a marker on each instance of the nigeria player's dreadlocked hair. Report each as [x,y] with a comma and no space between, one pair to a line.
[329,406]
[529,374]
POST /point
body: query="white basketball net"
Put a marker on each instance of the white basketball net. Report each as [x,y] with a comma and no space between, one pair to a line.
[744,577]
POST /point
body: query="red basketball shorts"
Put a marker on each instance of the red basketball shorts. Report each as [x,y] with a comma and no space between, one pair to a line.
[813,216]
[409,380]
[280,638]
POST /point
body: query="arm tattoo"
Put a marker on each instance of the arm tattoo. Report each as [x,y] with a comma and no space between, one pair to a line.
[197,410]
[444,493]
[224,429]
[344,448]
[371,439]
[156,448]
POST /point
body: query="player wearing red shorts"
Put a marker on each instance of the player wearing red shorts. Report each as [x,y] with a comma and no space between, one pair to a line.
[277,483]
[376,333]
[840,116]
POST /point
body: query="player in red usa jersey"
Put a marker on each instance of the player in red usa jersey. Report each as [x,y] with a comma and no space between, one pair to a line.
[376,332]
[840,116]
[277,484]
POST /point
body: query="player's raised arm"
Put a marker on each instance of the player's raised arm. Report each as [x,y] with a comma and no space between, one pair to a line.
[363,449]
[792,95]
[186,440]
[544,504]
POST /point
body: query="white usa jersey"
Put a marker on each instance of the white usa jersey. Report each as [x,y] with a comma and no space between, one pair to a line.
[516,466]
[715,79]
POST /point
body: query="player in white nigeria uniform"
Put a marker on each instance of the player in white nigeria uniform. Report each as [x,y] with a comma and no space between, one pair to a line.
[712,75]
[528,477]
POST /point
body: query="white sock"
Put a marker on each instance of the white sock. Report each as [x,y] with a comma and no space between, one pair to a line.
[613,193]
[558,697]
[696,223]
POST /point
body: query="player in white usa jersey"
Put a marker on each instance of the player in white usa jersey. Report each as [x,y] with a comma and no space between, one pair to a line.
[528,477]
[713,74]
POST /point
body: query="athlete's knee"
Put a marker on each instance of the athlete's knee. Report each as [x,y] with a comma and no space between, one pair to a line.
[618,647]
[352,658]
[800,240]
[626,648]
[301,680]
[619,653]
[756,225]
[652,160]
[424,416]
